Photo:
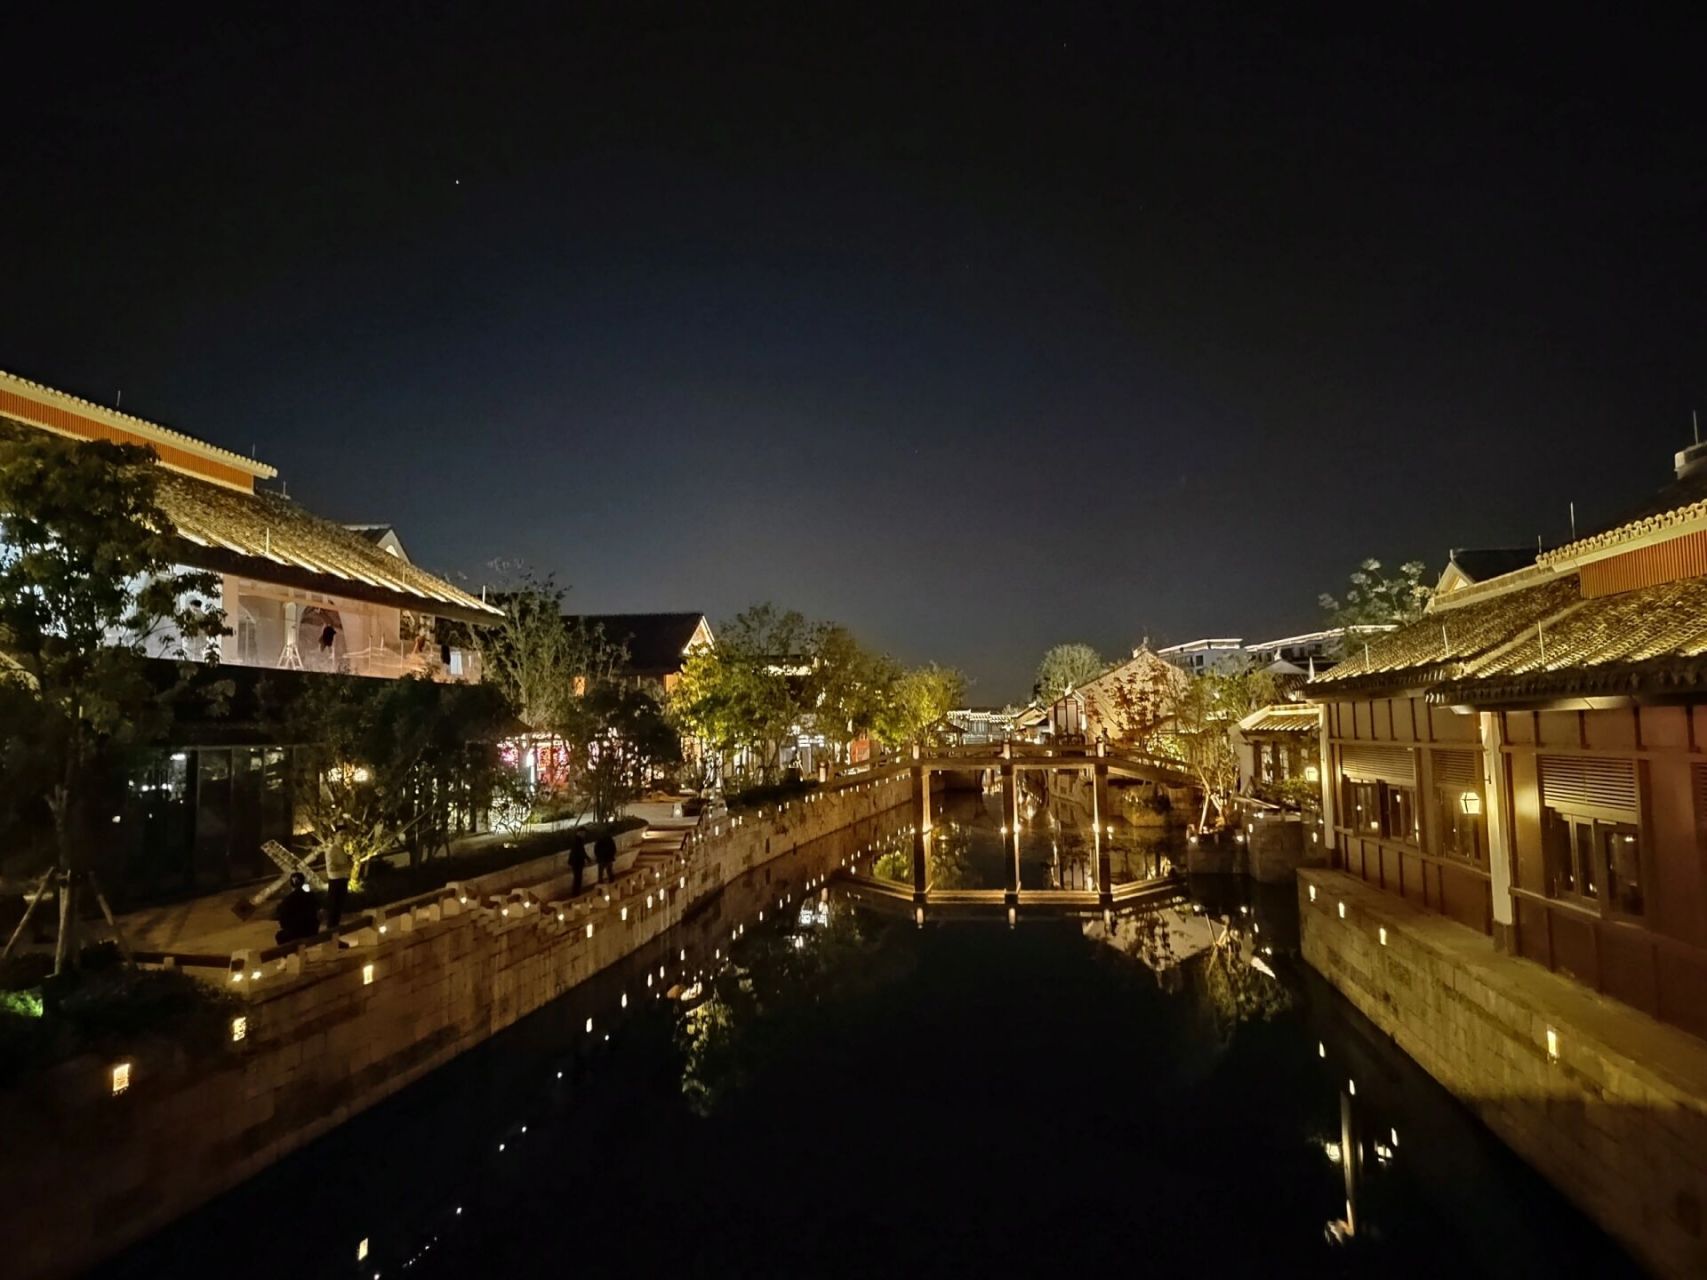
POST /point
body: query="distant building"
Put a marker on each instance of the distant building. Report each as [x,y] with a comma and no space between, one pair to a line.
[982,725]
[1312,651]
[1131,703]
[1199,656]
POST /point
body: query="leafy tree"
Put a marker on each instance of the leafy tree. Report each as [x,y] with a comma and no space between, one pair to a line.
[90,591]
[1141,704]
[391,764]
[540,660]
[1067,666]
[744,695]
[618,736]
[1208,709]
[917,704]
[849,685]
[1375,599]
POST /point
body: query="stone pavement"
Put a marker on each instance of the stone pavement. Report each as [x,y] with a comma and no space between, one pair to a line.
[208,925]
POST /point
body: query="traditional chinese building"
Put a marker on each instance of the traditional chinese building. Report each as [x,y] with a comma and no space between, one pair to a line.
[301,594]
[1528,759]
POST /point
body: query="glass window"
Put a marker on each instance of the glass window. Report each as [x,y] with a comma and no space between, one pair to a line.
[1595,859]
[1621,855]
[1459,822]
[1556,838]
[1402,814]
[1363,806]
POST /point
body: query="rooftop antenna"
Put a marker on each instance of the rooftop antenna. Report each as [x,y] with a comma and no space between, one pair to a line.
[1573,522]
[118,401]
[1695,421]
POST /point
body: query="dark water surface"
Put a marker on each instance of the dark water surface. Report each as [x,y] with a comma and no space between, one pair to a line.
[859,1096]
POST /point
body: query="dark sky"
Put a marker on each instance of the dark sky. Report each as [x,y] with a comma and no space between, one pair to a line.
[977,328]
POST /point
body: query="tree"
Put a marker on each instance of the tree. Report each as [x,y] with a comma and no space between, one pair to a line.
[391,764]
[1141,700]
[90,592]
[1374,599]
[848,686]
[618,736]
[1067,666]
[1208,709]
[742,697]
[537,658]
[917,704]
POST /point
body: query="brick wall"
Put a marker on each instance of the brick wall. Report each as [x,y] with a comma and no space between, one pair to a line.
[86,1172]
[1613,1112]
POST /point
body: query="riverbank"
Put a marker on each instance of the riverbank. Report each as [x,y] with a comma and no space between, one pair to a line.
[101,1152]
[1606,1103]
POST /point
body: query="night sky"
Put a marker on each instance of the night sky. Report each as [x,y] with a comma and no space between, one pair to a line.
[978,331]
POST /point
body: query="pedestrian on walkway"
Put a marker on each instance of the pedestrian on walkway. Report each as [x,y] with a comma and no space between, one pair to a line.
[604,851]
[577,860]
[337,878]
[298,914]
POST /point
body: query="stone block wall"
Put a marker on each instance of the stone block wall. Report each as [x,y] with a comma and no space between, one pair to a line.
[327,1035]
[1607,1103]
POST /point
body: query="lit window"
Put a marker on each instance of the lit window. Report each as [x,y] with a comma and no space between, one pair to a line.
[121,1078]
[239,1028]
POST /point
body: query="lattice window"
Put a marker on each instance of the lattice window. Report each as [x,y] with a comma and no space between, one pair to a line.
[1369,763]
[1592,783]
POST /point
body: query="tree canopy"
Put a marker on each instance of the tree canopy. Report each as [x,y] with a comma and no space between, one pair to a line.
[90,592]
[1375,598]
[1067,666]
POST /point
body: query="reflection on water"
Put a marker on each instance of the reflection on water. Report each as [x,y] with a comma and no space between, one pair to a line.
[837,1092]
[972,848]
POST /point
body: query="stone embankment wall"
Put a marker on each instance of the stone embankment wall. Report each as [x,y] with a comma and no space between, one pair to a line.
[327,1034]
[1605,1102]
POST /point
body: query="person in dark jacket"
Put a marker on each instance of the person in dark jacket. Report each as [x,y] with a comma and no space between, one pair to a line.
[604,852]
[577,859]
[298,914]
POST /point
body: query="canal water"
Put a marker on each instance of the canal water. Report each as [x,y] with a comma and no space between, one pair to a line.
[843,1092]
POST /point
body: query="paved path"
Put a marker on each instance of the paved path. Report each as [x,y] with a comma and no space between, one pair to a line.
[208,925]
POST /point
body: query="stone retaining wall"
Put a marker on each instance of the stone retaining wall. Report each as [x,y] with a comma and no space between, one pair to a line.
[1607,1103]
[329,1033]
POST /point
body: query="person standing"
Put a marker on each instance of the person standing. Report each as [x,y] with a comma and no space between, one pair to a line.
[577,860]
[337,879]
[604,852]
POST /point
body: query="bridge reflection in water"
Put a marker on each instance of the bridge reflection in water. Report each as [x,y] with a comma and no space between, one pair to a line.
[1019,841]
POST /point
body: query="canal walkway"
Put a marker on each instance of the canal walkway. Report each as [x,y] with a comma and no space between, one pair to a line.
[210,924]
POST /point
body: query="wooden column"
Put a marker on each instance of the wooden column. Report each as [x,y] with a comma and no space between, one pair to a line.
[921,828]
[1497,820]
[1010,808]
[1100,823]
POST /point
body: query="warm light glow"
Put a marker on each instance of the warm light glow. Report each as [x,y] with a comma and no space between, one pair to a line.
[1312,893]
[239,1028]
[1312,773]
[361,1250]
[1552,1045]
[1351,1087]
[1321,1050]
[1472,803]
[367,974]
[1342,911]
[121,1078]
[1383,933]
[589,928]
[589,1026]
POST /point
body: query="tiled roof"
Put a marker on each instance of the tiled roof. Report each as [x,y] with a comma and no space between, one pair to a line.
[1281,719]
[1649,641]
[271,539]
[1442,644]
